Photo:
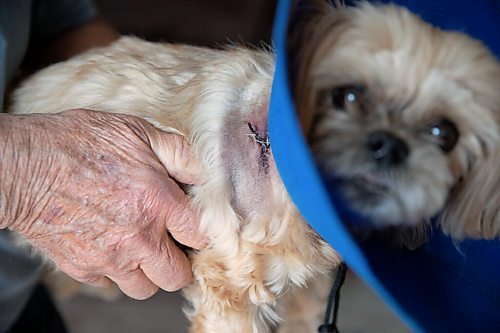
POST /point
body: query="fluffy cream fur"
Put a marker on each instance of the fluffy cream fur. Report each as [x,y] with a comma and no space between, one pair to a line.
[259,245]
[254,255]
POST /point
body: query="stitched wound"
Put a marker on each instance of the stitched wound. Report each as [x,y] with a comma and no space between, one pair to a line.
[265,146]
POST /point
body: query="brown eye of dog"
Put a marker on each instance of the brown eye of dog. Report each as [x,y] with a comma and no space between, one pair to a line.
[445,132]
[347,98]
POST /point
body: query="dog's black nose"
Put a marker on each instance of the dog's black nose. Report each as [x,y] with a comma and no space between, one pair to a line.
[386,148]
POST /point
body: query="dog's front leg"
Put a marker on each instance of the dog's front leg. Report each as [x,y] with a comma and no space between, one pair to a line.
[229,296]
[303,309]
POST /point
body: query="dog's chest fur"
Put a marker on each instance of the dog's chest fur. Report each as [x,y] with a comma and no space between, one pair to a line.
[258,243]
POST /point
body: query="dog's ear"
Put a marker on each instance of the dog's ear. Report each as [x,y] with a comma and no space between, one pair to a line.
[473,210]
[314,28]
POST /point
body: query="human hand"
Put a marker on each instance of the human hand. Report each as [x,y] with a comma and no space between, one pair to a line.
[97,193]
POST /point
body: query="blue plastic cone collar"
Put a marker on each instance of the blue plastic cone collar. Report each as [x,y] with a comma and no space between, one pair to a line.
[440,287]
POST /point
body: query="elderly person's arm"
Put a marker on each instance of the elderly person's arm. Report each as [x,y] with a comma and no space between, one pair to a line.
[98,193]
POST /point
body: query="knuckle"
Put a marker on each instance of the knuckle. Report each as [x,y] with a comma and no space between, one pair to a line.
[84,277]
[151,292]
[177,282]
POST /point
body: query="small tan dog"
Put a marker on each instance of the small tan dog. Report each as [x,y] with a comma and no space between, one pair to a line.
[407,115]
[258,243]
[404,116]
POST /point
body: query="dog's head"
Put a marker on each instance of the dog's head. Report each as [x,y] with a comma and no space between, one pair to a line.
[404,116]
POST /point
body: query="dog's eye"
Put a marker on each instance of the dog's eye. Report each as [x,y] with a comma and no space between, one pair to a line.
[347,98]
[445,133]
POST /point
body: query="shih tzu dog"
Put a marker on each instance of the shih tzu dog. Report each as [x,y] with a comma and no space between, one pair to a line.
[404,116]
[259,245]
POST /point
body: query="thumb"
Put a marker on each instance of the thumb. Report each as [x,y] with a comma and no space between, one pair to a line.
[174,153]
[183,222]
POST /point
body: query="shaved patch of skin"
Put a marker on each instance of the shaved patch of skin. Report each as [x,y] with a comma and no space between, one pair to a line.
[248,161]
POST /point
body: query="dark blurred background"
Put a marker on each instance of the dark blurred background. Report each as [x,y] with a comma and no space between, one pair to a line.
[200,22]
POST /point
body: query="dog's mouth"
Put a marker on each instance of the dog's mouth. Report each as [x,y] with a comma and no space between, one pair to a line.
[365,189]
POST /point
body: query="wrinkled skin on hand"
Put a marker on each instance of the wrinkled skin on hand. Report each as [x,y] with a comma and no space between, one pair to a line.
[97,193]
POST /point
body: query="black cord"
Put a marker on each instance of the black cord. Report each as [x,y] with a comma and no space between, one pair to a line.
[330,324]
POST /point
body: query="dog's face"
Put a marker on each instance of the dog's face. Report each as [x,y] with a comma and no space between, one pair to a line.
[399,113]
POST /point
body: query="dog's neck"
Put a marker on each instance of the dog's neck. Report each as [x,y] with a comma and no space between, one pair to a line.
[248,160]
